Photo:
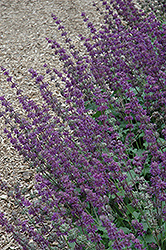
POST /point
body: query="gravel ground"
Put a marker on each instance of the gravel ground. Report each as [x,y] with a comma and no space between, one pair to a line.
[24,25]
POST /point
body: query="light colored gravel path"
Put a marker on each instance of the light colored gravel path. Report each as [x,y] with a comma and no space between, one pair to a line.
[24,25]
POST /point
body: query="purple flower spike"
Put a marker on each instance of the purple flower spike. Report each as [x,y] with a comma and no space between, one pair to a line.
[34,73]
[13,85]
[2,98]
[86,19]
[48,71]
[9,79]
[39,78]
[6,72]
[2,68]
[58,22]
[64,34]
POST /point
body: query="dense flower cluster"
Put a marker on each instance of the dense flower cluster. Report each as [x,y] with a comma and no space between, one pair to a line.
[101,181]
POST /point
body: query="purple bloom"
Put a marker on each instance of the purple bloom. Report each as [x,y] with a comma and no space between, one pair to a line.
[6,72]
[9,79]
[48,71]
[64,34]
[33,72]
[39,79]
[58,22]
[13,85]
[2,68]
[101,153]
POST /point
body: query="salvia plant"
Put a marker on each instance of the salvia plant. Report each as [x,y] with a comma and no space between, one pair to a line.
[101,159]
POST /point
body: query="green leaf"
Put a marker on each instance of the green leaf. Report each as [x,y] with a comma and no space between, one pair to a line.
[123,125]
[145,170]
[72,245]
[97,114]
[121,193]
[145,225]
[139,152]
[110,245]
[131,175]
[125,230]
[150,238]
[91,106]
[130,209]
[145,144]
[101,228]
[135,214]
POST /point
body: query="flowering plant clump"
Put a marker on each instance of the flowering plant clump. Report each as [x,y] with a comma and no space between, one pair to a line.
[101,180]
